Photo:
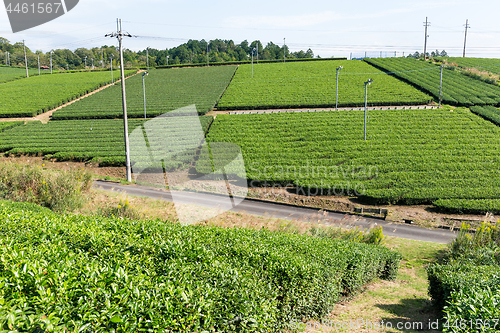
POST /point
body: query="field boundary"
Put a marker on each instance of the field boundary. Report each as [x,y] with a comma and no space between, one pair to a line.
[45,117]
[406,107]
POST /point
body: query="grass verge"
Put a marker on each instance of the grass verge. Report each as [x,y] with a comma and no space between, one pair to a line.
[404,301]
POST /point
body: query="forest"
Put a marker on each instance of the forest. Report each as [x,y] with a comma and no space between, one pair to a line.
[193,51]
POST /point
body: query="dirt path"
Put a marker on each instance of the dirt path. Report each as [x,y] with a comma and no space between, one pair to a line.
[45,117]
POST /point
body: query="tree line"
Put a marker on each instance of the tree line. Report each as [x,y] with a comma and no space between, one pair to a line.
[433,54]
[193,51]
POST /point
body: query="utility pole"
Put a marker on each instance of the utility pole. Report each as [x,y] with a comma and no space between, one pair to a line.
[38,54]
[25,59]
[120,34]
[51,61]
[284,47]
[426,24]
[467,26]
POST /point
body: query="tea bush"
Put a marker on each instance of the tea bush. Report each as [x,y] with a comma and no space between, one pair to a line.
[466,284]
[98,274]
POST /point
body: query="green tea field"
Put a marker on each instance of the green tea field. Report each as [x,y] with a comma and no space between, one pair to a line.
[409,157]
[457,88]
[100,140]
[313,84]
[8,73]
[166,90]
[37,94]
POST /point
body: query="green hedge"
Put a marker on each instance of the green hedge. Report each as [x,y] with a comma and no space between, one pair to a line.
[225,63]
[468,206]
[95,274]
[446,279]
[469,296]
[488,112]
[465,285]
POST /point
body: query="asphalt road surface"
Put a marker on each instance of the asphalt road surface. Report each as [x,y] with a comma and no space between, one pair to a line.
[287,212]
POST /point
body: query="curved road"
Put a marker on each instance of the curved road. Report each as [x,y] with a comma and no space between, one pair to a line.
[284,211]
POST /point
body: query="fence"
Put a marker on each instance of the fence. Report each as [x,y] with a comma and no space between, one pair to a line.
[374,54]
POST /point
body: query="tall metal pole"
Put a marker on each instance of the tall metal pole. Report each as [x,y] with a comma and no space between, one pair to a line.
[441,86]
[367,83]
[284,47]
[111,68]
[337,94]
[51,62]
[25,59]
[467,26]
[257,51]
[144,92]
[366,106]
[38,63]
[252,60]
[425,42]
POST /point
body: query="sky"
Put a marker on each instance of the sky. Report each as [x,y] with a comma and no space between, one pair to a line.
[329,28]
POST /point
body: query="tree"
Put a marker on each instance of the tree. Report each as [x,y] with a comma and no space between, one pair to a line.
[82,53]
[244,45]
[194,51]
[415,55]
[257,45]
[273,51]
[5,45]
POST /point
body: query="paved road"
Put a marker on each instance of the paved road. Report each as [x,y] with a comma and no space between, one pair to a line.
[288,212]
